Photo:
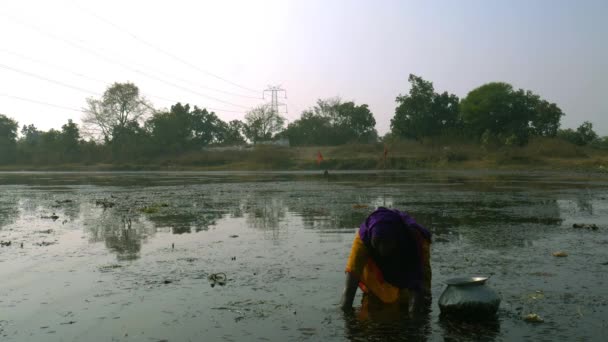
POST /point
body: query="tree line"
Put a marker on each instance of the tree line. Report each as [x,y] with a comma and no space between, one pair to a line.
[123,126]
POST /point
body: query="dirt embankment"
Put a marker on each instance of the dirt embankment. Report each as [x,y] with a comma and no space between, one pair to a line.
[539,154]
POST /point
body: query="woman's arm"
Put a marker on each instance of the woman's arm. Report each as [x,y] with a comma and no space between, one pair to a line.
[350,289]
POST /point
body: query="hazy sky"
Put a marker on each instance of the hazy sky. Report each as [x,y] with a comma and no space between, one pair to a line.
[358,50]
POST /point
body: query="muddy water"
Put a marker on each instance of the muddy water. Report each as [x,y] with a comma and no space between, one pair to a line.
[127,256]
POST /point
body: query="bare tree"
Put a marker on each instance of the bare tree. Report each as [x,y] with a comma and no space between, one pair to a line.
[261,122]
[120,104]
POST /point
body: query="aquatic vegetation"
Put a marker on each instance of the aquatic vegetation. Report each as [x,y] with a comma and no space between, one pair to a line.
[153,208]
[533,318]
[217,279]
[110,267]
[150,210]
[591,226]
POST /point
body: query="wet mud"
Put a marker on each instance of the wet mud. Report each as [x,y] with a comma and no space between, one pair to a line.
[260,256]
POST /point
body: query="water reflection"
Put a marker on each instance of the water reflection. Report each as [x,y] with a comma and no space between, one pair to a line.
[388,323]
[182,223]
[9,211]
[122,234]
[584,202]
[454,329]
[480,218]
[481,214]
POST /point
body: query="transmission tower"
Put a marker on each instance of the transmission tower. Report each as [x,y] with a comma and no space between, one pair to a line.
[274,98]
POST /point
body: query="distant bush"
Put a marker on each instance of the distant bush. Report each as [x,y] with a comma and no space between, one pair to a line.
[270,157]
[554,147]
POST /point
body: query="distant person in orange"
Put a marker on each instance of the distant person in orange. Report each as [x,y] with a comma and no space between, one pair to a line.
[389,261]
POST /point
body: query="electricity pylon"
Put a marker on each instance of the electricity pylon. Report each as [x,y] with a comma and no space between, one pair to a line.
[274,98]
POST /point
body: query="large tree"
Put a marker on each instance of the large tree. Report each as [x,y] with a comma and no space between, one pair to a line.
[261,123]
[8,139]
[499,110]
[333,122]
[233,133]
[310,129]
[120,106]
[171,131]
[130,142]
[207,128]
[423,112]
[546,120]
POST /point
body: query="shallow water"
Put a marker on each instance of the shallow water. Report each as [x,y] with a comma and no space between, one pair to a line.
[129,256]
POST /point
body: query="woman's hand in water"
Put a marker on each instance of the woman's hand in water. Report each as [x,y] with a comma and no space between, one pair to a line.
[350,289]
[421,303]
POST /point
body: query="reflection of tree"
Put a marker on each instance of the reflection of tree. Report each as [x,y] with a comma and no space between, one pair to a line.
[323,213]
[387,323]
[124,240]
[584,203]
[67,207]
[186,222]
[9,211]
[265,213]
[123,234]
[458,329]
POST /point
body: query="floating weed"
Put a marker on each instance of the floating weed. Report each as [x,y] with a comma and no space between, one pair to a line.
[150,210]
[108,268]
[153,208]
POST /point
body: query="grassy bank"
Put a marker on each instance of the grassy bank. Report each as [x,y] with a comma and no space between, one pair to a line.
[539,154]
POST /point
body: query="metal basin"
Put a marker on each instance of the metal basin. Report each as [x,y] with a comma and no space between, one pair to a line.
[466,281]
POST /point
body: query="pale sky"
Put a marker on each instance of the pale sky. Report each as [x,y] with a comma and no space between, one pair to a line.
[358,50]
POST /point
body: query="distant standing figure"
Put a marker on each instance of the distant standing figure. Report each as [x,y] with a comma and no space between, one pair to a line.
[389,261]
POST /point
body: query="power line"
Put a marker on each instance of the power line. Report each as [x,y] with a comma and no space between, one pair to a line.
[166,74]
[80,89]
[209,108]
[25,99]
[150,45]
[39,102]
[52,65]
[112,61]
[47,79]
[104,82]
[85,77]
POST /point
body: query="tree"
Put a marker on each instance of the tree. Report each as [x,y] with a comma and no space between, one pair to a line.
[356,123]
[423,112]
[261,123]
[233,133]
[8,139]
[48,150]
[207,128]
[69,141]
[310,129]
[27,146]
[546,122]
[333,122]
[496,109]
[171,132]
[120,106]
[129,143]
[499,110]
[584,134]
